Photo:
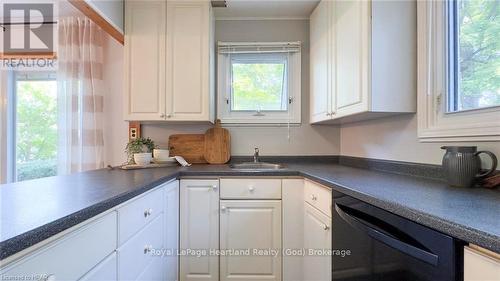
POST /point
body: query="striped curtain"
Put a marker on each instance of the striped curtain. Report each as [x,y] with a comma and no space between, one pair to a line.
[80,96]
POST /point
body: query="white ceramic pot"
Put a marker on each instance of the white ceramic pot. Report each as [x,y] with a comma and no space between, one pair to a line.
[161,154]
[142,158]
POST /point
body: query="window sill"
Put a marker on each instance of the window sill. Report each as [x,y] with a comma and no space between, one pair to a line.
[256,125]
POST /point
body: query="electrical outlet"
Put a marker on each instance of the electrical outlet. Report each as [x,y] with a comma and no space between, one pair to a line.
[133,133]
[134,130]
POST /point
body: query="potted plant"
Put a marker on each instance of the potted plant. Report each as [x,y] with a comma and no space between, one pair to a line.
[139,151]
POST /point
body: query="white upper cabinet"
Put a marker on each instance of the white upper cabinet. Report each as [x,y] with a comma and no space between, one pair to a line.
[145,32]
[321,98]
[351,21]
[190,93]
[169,61]
[371,57]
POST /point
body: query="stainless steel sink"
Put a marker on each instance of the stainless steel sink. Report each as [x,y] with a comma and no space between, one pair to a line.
[256,166]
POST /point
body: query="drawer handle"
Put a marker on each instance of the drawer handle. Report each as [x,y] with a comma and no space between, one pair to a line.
[147,249]
[313,197]
[148,212]
[251,189]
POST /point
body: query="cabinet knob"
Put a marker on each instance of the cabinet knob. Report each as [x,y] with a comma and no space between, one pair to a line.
[251,189]
[147,249]
[214,187]
[326,227]
[148,212]
[223,209]
[313,197]
[169,115]
[162,115]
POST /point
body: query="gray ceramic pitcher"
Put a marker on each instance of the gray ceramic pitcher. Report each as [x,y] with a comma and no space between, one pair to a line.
[462,165]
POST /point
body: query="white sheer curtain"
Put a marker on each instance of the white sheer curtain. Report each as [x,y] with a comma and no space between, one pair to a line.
[80,97]
[3,126]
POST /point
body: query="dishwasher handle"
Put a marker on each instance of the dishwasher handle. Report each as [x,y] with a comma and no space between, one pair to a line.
[386,238]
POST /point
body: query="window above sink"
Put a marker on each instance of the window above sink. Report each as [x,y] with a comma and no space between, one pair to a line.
[259,83]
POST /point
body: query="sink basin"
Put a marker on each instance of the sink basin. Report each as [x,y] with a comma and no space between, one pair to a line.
[259,166]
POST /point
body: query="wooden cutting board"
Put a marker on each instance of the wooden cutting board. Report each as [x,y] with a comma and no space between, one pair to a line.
[217,145]
[189,146]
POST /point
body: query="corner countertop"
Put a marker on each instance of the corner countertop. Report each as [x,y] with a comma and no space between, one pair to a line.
[32,211]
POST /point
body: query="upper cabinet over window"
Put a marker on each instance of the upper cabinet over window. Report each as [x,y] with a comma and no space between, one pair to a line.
[459,62]
[259,82]
[169,51]
[363,60]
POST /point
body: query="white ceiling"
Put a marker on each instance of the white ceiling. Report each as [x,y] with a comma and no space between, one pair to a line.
[270,9]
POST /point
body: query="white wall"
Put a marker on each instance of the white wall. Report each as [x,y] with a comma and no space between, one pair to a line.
[395,138]
[305,139]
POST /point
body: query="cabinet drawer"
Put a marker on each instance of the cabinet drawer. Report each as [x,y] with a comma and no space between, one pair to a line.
[139,212]
[318,196]
[154,271]
[133,256]
[250,188]
[89,245]
[105,270]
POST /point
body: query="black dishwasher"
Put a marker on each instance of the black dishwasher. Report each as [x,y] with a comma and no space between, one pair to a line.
[386,247]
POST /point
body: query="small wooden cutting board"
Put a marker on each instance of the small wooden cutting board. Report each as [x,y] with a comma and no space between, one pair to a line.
[189,146]
[217,145]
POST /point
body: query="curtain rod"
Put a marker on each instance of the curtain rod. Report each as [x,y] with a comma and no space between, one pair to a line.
[4,24]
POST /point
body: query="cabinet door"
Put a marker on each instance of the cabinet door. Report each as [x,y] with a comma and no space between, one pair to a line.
[105,270]
[352,45]
[320,94]
[253,225]
[317,236]
[145,24]
[188,60]
[479,265]
[199,229]
[172,230]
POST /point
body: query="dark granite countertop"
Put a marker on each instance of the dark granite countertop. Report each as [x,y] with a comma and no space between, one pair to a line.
[32,211]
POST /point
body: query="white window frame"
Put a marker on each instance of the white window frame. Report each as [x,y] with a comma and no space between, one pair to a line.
[293,86]
[435,124]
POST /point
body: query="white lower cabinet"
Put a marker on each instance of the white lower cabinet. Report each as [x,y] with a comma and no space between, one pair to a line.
[105,270]
[89,245]
[481,264]
[153,272]
[199,229]
[135,255]
[171,215]
[255,226]
[317,243]
[117,245]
